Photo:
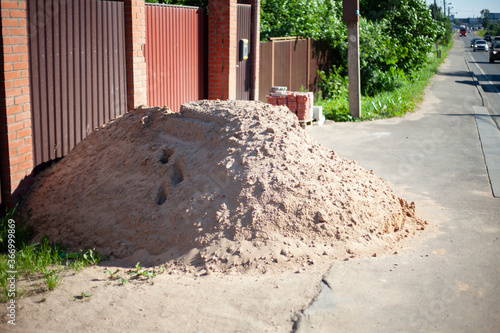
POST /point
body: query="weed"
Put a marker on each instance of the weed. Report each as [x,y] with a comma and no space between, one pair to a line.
[140,271]
[51,277]
[112,276]
[43,261]
[92,257]
[22,231]
[83,296]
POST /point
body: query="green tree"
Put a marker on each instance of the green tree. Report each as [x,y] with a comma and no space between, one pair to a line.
[395,35]
[485,19]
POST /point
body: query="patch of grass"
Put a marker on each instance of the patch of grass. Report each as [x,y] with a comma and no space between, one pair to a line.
[36,267]
[22,231]
[395,103]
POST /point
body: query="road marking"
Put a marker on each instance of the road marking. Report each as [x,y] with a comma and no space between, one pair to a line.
[489,135]
[486,75]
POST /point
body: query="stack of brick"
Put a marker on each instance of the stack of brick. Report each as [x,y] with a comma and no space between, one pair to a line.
[273,100]
[304,106]
[282,100]
[291,102]
[299,103]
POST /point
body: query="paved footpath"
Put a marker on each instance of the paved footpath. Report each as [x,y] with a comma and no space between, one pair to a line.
[449,280]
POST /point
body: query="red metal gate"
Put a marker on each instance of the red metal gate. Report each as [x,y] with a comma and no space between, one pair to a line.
[175,53]
[77,71]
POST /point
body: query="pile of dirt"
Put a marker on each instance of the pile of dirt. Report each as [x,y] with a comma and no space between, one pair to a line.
[220,186]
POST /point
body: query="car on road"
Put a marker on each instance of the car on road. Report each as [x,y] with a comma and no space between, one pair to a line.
[495,52]
[487,38]
[473,41]
[481,45]
[495,40]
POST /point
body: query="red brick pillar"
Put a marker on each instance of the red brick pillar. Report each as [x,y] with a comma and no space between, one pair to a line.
[222,48]
[16,151]
[135,38]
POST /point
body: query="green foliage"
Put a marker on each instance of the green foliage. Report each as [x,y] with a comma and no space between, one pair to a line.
[485,20]
[393,103]
[140,271]
[44,261]
[21,230]
[395,36]
[494,29]
[91,257]
[82,297]
[316,19]
[333,85]
[112,275]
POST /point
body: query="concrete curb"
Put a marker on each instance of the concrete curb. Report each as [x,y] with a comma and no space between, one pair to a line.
[489,137]
[480,90]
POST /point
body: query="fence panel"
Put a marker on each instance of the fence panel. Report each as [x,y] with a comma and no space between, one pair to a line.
[77,71]
[291,62]
[243,66]
[175,53]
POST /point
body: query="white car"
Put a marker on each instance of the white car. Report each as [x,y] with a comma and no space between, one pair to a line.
[481,45]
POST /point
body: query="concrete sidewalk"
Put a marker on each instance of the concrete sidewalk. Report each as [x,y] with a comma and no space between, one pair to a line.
[449,280]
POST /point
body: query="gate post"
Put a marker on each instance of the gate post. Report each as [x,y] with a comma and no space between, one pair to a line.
[16,150]
[222,34]
[135,38]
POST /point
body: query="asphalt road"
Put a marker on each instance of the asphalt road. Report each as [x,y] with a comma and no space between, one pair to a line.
[449,279]
[487,75]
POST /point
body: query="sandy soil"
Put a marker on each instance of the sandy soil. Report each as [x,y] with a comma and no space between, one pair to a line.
[244,208]
[170,303]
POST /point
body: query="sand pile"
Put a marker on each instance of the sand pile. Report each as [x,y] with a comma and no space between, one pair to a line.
[222,185]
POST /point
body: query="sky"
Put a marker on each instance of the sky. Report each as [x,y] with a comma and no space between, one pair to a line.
[469,8]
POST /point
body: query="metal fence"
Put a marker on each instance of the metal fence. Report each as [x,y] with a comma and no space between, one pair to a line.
[243,70]
[77,71]
[175,53]
[291,62]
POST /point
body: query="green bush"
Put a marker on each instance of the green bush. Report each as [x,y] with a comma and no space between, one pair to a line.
[396,39]
[393,103]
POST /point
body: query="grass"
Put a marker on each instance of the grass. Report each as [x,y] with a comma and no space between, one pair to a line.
[37,267]
[395,103]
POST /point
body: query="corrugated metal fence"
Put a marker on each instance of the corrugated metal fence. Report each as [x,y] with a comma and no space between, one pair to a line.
[77,71]
[175,54]
[292,63]
[243,70]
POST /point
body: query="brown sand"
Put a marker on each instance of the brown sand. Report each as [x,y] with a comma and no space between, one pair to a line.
[221,186]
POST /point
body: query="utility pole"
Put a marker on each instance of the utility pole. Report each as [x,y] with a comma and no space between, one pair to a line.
[435,11]
[351,17]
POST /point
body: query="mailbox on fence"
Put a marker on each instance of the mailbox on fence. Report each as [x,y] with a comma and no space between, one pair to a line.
[350,11]
[243,49]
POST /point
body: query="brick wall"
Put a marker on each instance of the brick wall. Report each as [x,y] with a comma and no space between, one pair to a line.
[222,48]
[16,150]
[135,38]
